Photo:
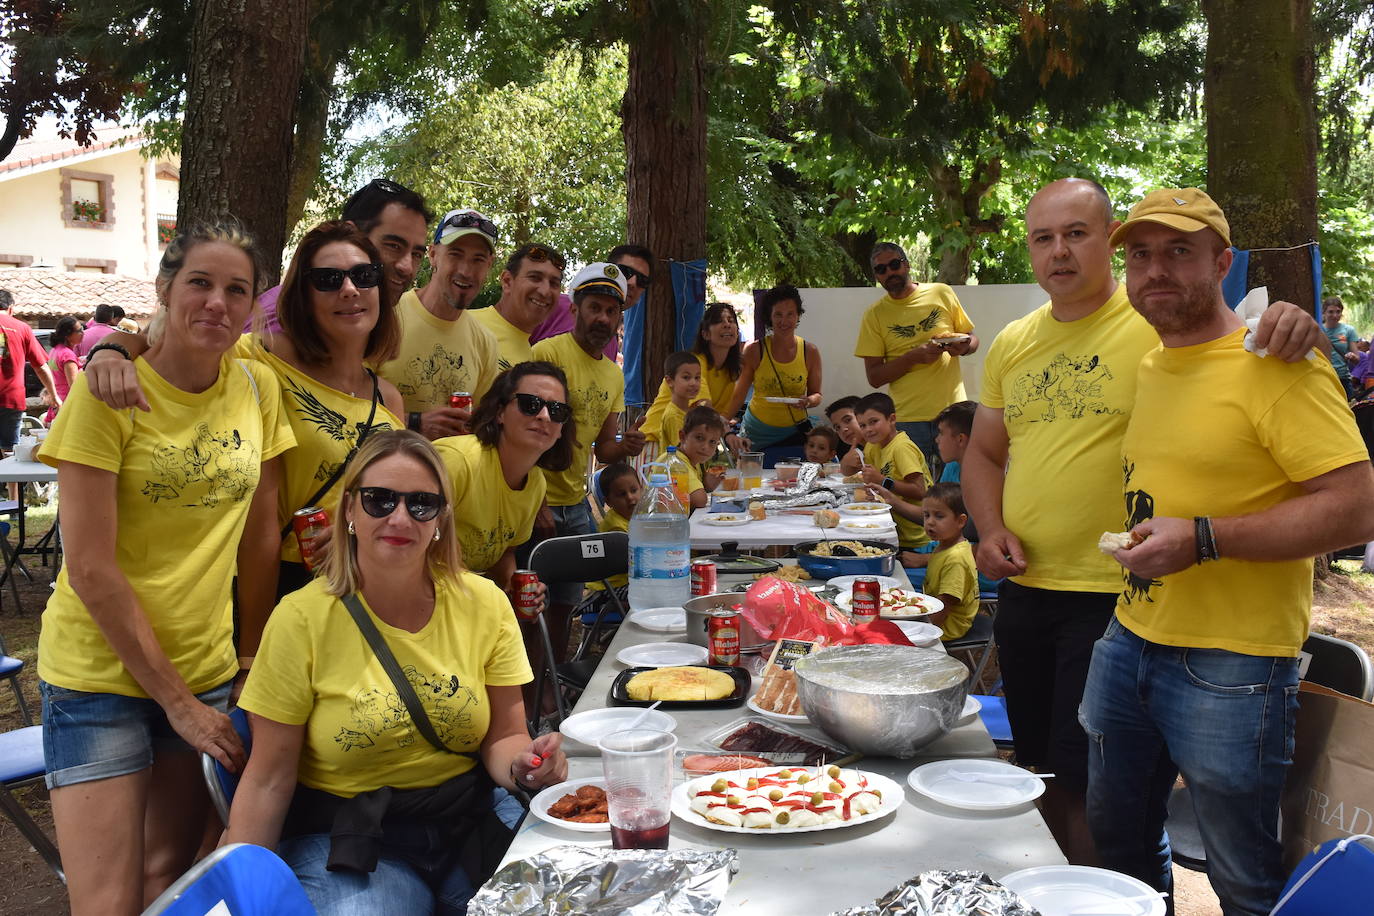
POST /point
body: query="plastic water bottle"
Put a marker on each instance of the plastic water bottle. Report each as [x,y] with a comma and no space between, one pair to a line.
[660,550]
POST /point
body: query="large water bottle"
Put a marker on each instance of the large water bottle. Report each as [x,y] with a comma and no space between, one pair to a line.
[660,550]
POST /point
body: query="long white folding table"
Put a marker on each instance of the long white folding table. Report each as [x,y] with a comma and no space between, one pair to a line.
[817,873]
[774,530]
[13,470]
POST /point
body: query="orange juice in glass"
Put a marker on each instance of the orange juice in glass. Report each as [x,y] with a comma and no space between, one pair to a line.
[751,470]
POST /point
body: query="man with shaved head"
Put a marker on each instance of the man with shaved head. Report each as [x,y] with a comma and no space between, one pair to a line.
[1042,479]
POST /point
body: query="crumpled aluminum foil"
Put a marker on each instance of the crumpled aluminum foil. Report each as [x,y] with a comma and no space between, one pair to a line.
[596,880]
[946,893]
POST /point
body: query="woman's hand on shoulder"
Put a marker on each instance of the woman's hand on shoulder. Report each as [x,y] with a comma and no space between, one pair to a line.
[542,764]
[113,381]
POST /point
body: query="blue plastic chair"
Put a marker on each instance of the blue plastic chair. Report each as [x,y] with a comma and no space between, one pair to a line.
[221,783]
[9,670]
[21,764]
[238,879]
[994,716]
[1334,880]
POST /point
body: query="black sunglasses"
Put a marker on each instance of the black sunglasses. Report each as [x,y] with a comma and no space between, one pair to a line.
[471,221]
[379,502]
[330,279]
[881,268]
[531,404]
[540,253]
[644,279]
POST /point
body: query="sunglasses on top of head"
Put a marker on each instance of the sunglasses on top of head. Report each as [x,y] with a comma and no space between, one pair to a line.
[537,253]
[472,221]
[644,279]
[330,279]
[883,267]
[379,502]
[531,404]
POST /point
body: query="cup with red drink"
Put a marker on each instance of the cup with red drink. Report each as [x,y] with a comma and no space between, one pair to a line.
[638,766]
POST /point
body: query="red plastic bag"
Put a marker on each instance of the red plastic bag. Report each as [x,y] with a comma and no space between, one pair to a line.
[779,609]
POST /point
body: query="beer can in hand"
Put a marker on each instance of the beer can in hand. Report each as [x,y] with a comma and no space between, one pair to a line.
[722,638]
[525,594]
[460,399]
[865,600]
[309,523]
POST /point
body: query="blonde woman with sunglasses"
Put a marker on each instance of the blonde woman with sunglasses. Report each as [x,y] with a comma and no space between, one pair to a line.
[416,827]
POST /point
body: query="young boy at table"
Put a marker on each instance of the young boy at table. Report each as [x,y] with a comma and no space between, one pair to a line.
[682,374]
[619,489]
[702,430]
[892,461]
[952,575]
[953,428]
[821,444]
[841,416]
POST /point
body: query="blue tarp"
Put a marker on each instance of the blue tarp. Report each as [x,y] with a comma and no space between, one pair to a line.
[688,282]
[1236,283]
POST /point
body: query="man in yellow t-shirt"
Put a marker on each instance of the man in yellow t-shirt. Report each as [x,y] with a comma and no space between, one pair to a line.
[1237,471]
[892,461]
[911,341]
[443,349]
[1042,478]
[530,286]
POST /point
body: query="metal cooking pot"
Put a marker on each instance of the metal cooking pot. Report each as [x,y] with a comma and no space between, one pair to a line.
[699,614]
[830,567]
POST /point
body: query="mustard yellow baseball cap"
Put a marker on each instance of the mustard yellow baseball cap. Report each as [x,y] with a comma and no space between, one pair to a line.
[1184,209]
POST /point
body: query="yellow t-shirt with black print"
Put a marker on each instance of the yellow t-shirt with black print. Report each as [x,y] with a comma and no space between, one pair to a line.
[776,379]
[1220,432]
[596,389]
[437,357]
[897,459]
[315,669]
[185,474]
[716,384]
[512,344]
[612,520]
[891,327]
[326,423]
[1066,389]
[488,515]
[952,572]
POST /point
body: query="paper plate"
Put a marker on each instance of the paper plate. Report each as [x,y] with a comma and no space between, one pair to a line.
[892,798]
[865,509]
[591,726]
[870,525]
[970,710]
[781,717]
[919,632]
[1057,890]
[539,805]
[660,619]
[845,583]
[934,781]
[662,655]
[726,519]
[792,401]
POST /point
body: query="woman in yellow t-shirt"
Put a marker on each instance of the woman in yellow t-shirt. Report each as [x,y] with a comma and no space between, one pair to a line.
[325,714]
[784,371]
[717,348]
[159,509]
[522,427]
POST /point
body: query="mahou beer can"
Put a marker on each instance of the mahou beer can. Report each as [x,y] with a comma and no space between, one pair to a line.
[460,399]
[526,588]
[722,638]
[703,578]
[308,524]
[865,600]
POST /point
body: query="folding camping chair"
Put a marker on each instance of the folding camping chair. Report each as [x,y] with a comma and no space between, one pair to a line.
[239,879]
[9,670]
[220,782]
[21,764]
[977,644]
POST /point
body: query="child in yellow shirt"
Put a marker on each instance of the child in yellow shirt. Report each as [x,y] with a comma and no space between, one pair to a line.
[619,490]
[821,444]
[682,375]
[892,461]
[952,576]
[702,430]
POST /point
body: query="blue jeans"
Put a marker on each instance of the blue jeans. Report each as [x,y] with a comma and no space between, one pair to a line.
[922,432]
[397,886]
[1221,719]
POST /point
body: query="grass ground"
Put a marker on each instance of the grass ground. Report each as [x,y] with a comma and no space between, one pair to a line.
[1343,605]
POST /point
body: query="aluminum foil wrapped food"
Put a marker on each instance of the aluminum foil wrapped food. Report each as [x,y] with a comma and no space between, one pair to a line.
[946,893]
[811,489]
[596,880]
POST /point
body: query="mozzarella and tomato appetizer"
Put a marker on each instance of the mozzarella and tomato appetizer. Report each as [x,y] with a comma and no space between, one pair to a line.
[788,798]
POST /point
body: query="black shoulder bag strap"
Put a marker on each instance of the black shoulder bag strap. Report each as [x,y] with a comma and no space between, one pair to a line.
[768,352]
[338,472]
[398,679]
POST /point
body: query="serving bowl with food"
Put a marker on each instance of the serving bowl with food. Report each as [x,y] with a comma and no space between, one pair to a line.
[843,556]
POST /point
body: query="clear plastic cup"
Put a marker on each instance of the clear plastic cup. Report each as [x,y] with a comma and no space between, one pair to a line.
[751,470]
[638,765]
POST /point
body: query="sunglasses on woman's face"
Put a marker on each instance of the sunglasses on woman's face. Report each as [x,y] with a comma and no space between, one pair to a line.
[379,502]
[644,279]
[881,268]
[330,279]
[531,404]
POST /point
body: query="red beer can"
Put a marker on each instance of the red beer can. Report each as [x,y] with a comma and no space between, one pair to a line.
[866,599]
[460,399]
[722,638]
[526,589]
[308,524]
[703,577]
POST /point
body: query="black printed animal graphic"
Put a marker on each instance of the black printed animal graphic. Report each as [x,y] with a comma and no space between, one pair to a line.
[929,322]
[215,465]
[1140,505]
[1068,387]
[330,423]
[432,378]
[379,713]
[902,330]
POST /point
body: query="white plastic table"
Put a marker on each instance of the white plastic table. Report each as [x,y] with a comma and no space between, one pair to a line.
[817,873]
[13,470]
[774,530]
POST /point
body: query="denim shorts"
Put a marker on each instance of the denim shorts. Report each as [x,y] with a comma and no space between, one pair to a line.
[90,736]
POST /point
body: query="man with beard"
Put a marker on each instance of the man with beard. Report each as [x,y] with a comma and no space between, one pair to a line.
[1042,479]
[530,286]
[443,349]
[1236,472]
[636,262]
[910,340]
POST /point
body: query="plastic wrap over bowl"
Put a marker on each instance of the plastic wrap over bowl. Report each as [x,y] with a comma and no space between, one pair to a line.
[885,700]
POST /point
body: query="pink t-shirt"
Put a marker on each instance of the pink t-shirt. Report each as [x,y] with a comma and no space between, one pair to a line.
[95,333]
[560,321]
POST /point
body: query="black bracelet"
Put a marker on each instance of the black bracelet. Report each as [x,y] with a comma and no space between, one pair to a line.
[111,345]
[1206,540]
[413,421]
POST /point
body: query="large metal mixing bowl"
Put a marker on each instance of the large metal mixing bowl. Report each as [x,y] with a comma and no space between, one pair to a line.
[889,701]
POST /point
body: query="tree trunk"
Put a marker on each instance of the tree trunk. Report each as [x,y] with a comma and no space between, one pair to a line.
[963,208]
[663,119]
[246,59]
[1262,136]
[858,270]
[312,119]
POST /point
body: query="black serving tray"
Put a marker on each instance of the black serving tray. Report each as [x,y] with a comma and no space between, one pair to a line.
[620,694]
